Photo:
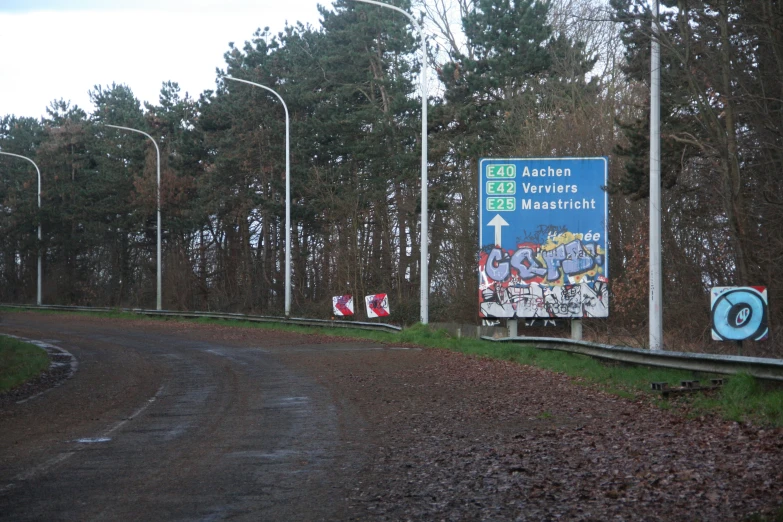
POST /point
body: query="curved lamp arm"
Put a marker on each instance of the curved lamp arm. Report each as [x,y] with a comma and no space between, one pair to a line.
[287,193]
[425,285]
[38,290]
[157,151]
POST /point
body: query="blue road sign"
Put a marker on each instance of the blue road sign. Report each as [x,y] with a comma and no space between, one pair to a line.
[543,237]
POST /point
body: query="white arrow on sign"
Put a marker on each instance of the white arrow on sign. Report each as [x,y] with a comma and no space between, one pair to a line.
[497,222]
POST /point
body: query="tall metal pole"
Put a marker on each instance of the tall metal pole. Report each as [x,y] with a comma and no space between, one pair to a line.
[157,151]
[38,287]
[656,280]
[425,285]
[287,194]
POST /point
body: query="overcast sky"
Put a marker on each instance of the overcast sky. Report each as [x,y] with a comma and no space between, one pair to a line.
[52,49]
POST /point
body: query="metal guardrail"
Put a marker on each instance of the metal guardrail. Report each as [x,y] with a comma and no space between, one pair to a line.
[326,323]
[762,368]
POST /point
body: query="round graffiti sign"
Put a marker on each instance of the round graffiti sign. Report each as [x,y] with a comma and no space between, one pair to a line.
[739,313]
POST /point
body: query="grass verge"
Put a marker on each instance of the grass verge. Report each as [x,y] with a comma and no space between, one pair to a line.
[743,398]
[19,362]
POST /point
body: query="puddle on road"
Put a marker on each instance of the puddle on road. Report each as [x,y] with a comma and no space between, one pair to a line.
[291,400]
[285,402]
[95,440]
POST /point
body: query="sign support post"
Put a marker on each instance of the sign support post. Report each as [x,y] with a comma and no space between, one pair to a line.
[512,327]
[576,329]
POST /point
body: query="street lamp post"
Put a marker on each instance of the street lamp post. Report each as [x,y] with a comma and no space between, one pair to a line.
[157,151]
[656,278]
[287,194]
[38,290]
[425,286]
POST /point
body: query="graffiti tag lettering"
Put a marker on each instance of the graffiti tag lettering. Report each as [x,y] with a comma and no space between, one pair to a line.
[572,258]
[561,278]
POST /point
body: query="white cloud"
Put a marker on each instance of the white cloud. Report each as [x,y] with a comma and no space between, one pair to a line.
[48,55]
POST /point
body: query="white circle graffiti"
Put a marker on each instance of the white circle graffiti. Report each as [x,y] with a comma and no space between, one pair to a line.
[740,314]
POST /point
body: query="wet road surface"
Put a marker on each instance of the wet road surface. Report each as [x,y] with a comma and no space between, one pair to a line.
[157,426]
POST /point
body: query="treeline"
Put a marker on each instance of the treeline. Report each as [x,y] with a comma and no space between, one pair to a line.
[512,79]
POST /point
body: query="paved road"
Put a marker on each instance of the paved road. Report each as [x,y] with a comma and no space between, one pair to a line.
[162,426]
[181,421]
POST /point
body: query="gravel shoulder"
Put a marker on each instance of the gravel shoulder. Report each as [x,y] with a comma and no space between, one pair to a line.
[436,435]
